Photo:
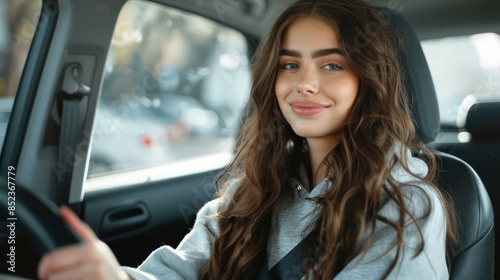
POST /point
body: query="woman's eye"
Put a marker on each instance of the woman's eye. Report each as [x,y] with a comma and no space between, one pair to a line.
[332,66]
[289,66]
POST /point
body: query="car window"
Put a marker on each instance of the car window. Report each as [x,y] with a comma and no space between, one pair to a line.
[463,68]
[173,90]
[18,21]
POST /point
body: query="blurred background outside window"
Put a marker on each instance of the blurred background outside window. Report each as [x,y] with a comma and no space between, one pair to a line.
[18,21]
[173,89]
[464,69]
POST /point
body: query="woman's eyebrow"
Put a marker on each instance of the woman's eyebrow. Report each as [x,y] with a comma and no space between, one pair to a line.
[315,54]
[326,52]
[290,53]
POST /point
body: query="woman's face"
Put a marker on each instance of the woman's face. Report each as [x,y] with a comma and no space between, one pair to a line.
[315,86]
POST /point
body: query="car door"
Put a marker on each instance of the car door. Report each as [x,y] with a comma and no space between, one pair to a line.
[172,93]
[127,111]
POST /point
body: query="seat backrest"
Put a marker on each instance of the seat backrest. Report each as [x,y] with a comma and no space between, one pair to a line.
[482,150]
[473,256]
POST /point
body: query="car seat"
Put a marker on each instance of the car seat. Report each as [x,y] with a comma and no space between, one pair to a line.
[481,120]
[473,256]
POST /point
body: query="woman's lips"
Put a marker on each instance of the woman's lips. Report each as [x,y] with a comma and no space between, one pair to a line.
[307,108]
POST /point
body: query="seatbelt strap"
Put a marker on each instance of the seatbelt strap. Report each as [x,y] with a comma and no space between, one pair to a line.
[291,266]
[73,92]
[68,140]
[294,263]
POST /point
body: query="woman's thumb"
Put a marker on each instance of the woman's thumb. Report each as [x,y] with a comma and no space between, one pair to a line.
[81,228]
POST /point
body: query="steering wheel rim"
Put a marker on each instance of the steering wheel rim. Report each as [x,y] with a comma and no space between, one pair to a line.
[38,218]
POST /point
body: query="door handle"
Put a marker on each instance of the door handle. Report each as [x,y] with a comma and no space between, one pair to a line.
[124,218]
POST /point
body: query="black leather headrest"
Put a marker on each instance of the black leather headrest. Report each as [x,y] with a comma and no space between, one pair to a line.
[418,82]
[483,120]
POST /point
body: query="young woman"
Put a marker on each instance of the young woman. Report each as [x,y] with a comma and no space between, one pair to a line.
[326,155]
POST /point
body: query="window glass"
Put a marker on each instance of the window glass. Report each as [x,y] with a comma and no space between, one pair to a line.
[461,67]
[18,20]
[173,90]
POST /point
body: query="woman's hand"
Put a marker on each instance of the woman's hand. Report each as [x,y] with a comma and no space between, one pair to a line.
[91,259]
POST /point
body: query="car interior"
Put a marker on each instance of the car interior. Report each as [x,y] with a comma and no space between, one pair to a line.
[127,111]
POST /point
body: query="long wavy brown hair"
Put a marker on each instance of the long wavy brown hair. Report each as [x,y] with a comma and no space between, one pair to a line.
[359,167]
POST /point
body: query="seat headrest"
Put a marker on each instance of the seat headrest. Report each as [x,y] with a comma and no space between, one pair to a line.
[483,120]
[418,80]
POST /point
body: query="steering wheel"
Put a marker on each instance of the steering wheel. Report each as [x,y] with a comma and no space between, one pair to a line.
[37,217]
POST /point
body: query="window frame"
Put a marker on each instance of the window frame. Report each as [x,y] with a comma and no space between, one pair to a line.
[28,85]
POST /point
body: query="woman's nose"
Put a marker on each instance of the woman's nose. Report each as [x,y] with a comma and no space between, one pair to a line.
[308,81]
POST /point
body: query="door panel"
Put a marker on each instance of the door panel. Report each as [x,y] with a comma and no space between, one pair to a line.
[165,211]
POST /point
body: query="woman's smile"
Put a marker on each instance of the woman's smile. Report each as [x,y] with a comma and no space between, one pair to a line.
[307,108]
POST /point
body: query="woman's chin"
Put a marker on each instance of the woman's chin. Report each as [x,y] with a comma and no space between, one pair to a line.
[315,133]
[310,133]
